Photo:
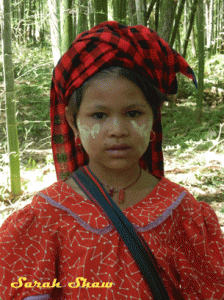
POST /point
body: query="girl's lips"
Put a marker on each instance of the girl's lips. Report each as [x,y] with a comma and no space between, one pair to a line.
[119,151]
[119,147]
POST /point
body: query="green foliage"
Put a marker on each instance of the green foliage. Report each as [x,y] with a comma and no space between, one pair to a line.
[222,210]
[214,67]
[180,128]
[31,164]
[10,104]
[49,159]
[214,179]
[32,92]
[33,72]
[179,124]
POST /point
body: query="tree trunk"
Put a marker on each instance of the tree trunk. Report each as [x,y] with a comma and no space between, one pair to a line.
[193,10]
[42,36]
[166,17]
[101,11]
[194,52]
[30,22]
[216,25]
[150,9]
[54,27]
[177,22]
[221,27]
[13,15]
[120,11]
[132,15]
[222,17]
[74,20]
[12,135]
[140,12]
[145,12]
[66,24]
[186,9]
[210,29]
[33,20]
[157,15]
[91,13]
[82,20]
[179,41]
[201,60]
[218,38]
[21,24]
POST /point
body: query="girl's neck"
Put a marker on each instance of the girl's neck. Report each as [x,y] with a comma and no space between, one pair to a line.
[117,178]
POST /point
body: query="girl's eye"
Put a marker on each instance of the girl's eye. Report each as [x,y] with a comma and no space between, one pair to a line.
[134,113]
[99,115]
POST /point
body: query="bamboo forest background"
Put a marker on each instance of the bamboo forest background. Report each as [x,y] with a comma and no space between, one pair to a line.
[193,121]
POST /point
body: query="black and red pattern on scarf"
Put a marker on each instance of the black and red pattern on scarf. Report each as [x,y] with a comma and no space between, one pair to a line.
[111,44]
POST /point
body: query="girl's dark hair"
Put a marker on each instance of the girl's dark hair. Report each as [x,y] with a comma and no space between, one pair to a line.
[152,95]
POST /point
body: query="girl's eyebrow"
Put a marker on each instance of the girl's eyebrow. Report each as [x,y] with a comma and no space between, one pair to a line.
[136,105]
[126,107]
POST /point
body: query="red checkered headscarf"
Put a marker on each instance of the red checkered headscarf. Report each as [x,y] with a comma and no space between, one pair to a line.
[110,44]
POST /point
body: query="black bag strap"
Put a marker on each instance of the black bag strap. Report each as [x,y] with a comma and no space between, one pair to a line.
[135,243]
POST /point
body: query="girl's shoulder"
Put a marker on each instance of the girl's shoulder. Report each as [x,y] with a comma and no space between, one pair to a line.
[199,212]
[21,219]
[70,203]
[36,211]
[178,193]
[167,191]
[29,239]
[57,207]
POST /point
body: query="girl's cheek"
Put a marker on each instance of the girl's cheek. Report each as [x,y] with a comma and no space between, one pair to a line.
[143,130]
[87,133]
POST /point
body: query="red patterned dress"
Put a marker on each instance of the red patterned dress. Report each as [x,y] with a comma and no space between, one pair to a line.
[61,246]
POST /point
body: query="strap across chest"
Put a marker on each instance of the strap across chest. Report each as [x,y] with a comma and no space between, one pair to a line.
[140,251]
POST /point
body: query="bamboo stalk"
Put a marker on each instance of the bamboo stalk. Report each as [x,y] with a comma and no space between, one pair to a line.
[12,135]
[66,25]
[201,60]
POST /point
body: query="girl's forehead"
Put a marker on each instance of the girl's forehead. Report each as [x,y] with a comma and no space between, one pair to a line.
[108,83]
[113,91]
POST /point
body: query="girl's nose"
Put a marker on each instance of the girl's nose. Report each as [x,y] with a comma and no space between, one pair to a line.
[117,127]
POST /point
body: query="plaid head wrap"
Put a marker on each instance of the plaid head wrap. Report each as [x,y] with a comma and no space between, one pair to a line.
[110,44]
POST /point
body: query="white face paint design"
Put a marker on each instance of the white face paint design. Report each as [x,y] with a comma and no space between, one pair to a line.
[144,131]
[86,132]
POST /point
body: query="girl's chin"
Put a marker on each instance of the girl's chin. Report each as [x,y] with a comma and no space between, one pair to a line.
[116,165]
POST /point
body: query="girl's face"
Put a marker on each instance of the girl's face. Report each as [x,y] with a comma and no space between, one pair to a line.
[114,123]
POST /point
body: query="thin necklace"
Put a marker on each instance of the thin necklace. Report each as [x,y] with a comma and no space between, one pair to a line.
[121,195]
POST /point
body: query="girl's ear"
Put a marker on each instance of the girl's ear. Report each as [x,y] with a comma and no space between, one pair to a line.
[70,119]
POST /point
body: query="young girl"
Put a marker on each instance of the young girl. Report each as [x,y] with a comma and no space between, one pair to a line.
[105,115]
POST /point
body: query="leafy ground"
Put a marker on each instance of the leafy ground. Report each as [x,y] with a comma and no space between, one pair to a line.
[194,153]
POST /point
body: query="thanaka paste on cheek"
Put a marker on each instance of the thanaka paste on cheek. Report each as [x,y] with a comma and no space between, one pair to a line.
[86,132]
[144,131]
